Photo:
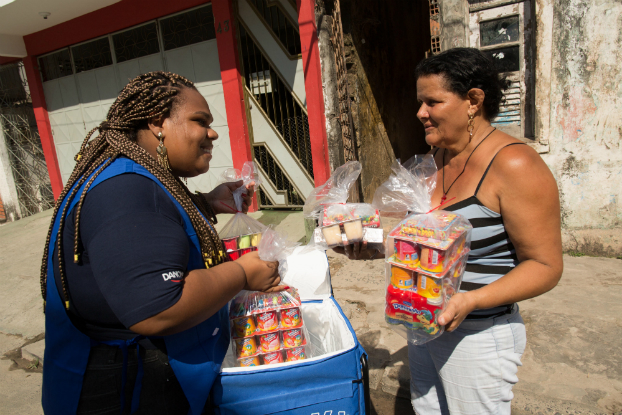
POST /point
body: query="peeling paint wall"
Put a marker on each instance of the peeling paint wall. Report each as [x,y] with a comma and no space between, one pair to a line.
[579,113]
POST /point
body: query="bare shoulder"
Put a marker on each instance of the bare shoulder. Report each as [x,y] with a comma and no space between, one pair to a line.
[519,169]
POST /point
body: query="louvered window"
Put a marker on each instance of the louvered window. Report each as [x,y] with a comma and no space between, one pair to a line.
[503,33]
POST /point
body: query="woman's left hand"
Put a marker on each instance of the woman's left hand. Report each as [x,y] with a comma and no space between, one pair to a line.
[459,306]
[221,198]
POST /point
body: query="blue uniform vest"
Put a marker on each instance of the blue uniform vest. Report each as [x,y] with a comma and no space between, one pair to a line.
[195,355]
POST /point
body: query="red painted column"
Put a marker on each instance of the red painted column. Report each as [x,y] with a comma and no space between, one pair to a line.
[313,87]
[233,88]
[43,123]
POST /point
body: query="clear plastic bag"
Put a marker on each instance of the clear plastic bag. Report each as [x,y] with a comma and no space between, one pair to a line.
[276,247]
[335,190]
[242,234]
[268,328]
[426,252]
[344,224]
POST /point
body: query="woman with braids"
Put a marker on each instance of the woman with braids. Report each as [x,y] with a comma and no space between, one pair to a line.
[134,276]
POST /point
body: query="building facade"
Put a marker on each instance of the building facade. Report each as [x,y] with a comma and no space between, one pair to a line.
[255,61]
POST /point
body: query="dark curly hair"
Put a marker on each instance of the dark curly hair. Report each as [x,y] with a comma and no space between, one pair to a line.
[464,69]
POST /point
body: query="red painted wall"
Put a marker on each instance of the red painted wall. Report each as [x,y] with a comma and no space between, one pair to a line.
[313,87]
[232,85]
[109,19]
[4,60]
[43,123]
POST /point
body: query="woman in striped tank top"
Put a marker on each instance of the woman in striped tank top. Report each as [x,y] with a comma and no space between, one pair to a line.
[510,197]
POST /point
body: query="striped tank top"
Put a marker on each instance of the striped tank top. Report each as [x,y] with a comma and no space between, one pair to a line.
[492,253]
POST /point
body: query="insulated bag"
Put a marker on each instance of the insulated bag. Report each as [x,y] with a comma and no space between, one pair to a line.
[333,380]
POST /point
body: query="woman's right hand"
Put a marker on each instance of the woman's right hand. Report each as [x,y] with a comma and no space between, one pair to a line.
[260,275]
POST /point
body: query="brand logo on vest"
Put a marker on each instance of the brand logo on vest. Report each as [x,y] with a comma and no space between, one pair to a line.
[174,276]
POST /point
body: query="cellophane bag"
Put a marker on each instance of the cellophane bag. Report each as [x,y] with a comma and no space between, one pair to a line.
[332,221]
[276,247]
[426,252]
[268,328]
[348,223]
[242,234]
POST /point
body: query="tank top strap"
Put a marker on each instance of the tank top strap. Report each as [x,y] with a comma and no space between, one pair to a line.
[490,164]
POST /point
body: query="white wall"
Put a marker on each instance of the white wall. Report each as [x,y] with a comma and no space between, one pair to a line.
[8,192]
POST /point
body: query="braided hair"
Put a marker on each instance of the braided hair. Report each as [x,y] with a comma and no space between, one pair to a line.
[148,96]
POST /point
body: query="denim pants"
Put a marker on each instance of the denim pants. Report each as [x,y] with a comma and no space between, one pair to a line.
[470,371]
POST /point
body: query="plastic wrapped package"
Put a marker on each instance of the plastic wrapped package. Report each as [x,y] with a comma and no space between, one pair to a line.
[276,247]
[268,328]
[426,252]
[343,224]
[334,191]
[242,234]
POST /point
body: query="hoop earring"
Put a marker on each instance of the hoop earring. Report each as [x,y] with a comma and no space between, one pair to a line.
[470,126]
[162,153]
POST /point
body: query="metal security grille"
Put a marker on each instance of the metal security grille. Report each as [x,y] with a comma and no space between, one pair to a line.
[92,55]
[137,42]
[435,27]
[278,23]
[345,113]
[187,28]
[276,100]
[17,120]
[274,172]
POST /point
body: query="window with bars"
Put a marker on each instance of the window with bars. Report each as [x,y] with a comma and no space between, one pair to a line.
[55,65]
[435,27]
[503,34]
[187,28]
[92,55]
[276,100]
[279,24]
[135,43]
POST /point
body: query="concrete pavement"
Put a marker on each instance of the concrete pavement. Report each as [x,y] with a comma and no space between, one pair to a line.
[572,364]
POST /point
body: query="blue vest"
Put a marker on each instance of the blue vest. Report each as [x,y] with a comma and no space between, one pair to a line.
[195,355]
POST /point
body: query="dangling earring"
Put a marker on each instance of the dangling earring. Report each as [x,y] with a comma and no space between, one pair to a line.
[470,126]
[162,153]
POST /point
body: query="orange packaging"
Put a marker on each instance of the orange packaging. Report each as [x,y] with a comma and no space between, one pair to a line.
[244,327]
[249,361]
[290,318]
[429,287]
[297,353]
[402,278]
[245,347]
[274,357]
[432,260]
[267,321]
[293,338]
[269,342]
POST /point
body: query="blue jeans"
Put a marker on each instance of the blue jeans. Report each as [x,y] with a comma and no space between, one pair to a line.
[469,371]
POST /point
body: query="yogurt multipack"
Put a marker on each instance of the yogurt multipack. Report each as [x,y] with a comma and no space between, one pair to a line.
[267,328]
[426,252]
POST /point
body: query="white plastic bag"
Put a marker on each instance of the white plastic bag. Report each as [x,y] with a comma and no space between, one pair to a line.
[426,252]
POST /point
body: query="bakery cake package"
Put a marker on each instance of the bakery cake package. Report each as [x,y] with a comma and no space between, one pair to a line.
[332,221]
[426,252]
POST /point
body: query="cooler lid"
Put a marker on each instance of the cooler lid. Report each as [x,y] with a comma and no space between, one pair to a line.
[308,271]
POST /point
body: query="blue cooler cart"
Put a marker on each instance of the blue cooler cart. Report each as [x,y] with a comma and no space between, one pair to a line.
[333,380]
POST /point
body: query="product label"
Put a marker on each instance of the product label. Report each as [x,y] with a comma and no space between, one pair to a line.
[424,280]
